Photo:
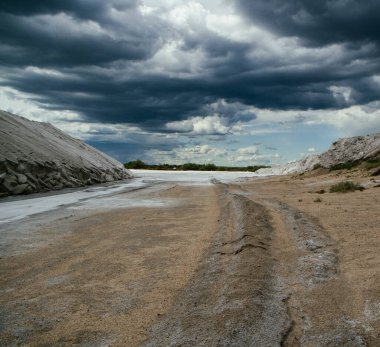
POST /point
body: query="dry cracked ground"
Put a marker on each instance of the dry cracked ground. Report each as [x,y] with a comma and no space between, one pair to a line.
[260,263]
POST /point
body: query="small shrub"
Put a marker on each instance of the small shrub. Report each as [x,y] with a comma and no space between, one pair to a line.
[317,166]
[344,166]
[372,164]
[346,186]
[318,200]
[322,191]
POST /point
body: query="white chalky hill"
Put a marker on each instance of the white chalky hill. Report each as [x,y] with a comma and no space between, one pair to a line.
[37,157]
[346,150]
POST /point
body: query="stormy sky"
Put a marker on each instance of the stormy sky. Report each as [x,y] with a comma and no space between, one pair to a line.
[231,82]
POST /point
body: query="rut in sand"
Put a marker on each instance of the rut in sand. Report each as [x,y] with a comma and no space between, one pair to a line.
[235,298]
[308,264]
[317,290]
[262,283]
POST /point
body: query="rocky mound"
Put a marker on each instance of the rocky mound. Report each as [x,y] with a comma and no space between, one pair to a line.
[347,150]
[37,157]
[351,149]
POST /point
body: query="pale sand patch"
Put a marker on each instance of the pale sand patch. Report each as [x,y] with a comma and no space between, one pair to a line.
[109,279]
[352,221]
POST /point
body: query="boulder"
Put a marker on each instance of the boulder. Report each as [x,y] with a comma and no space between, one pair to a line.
[23,167]
[21,178]
[19,189]
[9,182]
[109,178]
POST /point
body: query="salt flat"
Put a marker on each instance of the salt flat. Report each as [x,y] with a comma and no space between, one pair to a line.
[13,209]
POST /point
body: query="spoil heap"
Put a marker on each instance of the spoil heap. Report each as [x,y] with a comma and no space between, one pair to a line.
[36,157]
[347,150]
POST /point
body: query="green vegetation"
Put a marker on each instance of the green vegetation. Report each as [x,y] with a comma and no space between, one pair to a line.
[317,166]
[346,186]
[372,164]
[369,164]
[138,164]
[345,166]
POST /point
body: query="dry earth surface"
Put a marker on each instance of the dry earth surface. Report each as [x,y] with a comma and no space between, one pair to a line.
[267,262]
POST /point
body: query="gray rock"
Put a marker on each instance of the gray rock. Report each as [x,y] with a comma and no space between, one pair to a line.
[31,177]
[19,189]
[21,178]
[23,167]
[29,190]
[109,178]
[9,182]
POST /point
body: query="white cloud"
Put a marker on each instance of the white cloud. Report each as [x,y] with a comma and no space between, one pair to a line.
[248,150]
[70,122]
[199,154]
[349,121]
[354,120]
[340,92]
[208,154]
[23,105]
[209,125]
[256,159]
[200,150]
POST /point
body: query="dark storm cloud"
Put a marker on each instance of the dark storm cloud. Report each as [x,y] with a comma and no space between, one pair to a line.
[318,22]
[100,51]
[148,103]
[83,9]
[64,35]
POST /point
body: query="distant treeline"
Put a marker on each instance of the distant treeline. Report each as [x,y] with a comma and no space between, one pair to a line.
[139,164]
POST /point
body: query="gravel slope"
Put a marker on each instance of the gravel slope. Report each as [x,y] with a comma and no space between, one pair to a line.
[346,150]
[37,157]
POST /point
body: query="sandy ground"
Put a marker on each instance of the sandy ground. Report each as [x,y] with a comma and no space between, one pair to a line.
[268,262]
[328,245]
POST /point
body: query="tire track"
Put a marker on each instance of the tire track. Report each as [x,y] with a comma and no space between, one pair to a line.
[235,298]
[320,261]
[318,286]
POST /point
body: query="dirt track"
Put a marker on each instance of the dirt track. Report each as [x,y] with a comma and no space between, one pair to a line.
[232,265]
